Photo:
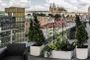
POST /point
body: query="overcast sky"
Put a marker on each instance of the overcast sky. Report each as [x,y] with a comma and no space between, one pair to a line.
[70,5]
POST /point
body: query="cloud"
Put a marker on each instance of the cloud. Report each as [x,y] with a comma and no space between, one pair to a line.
[67,4]
[70,5]
[73,5]
[37,7]
[15,3]
[20,3]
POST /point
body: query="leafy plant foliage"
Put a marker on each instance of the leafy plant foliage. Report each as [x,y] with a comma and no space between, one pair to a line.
[60,43]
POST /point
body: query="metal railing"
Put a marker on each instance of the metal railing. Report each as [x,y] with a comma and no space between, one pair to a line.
[4,44]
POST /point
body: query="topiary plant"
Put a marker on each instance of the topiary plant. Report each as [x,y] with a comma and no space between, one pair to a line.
[81,33]
[81,36]
[77,21]
[35,33]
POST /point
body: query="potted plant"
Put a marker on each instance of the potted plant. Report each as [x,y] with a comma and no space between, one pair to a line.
[36,36]
[81,37]
[60,48]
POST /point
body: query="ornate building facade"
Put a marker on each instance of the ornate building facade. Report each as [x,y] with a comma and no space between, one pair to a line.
[53,9]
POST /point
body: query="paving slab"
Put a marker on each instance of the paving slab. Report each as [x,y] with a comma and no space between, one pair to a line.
[40,58]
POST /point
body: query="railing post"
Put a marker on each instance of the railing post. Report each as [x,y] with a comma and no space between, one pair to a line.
[0,29]
[11,36]
[0,42]
[0,36]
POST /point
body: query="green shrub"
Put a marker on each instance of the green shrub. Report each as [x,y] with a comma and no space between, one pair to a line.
[64,45]
[60,43]
[77,21]
[81,33]
[81,36]
[35,33]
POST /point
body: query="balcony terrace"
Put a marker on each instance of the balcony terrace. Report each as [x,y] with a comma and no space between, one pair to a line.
[30,57]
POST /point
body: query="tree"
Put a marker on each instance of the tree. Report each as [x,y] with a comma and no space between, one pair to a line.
[77,21]
[81,36]
[50,15]
[41,14]
[57,16]
[35,33]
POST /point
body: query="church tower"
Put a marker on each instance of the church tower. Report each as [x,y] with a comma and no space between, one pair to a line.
[53,9]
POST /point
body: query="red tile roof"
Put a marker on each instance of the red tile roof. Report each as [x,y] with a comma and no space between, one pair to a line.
[55,24]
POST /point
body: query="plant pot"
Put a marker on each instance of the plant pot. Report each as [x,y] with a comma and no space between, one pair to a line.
[82,53]
[31,43]
[36,50]
[61,54]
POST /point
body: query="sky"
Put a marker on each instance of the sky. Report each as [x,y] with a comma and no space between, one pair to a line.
[70,5]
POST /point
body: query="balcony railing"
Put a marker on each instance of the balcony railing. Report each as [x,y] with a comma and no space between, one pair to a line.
[4,44]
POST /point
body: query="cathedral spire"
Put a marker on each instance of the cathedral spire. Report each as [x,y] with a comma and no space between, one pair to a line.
[54,6]
[50,5]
